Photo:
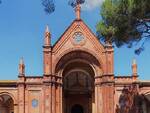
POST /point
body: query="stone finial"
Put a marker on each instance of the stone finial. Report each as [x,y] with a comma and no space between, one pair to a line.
[47,29]
[134,62]
[134,68]
[21,61]
[47,41]
[78,11]
[21,67]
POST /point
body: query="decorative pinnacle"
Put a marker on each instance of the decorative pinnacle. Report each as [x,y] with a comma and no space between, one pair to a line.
[21,67]
[47,37]
[134,62]
[47,29]
[134,67]
[78,11]
[21,61]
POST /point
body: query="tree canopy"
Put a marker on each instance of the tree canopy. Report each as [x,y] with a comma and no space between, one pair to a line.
[73,3]
[125,22]
[49,6]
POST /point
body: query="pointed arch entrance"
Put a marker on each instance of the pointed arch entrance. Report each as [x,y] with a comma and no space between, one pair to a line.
[78,70]
[78,87]
[6,104]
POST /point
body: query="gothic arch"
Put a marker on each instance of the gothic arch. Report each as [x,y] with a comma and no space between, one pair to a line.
[11,95]
[78,70]
[7,103]
[146,93]
[78,60]
[97,57]
[78,55]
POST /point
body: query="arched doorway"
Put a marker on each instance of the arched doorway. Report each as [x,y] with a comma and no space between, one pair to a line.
[78,87]
[146,103]
[78,70]
[6,104]
[77,109]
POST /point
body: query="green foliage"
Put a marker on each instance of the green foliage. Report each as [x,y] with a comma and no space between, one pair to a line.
[124,21]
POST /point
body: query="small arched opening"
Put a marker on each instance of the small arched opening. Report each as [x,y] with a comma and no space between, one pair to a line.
[6,104]
[77,109]
[146,103]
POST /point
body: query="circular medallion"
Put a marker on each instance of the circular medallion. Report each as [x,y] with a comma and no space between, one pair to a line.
[78,38]
[34,103]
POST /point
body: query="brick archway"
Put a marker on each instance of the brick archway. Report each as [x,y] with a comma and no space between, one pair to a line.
[81,91]
[99,60]
[6,103]
[11,95]
[146,102]
[82,56]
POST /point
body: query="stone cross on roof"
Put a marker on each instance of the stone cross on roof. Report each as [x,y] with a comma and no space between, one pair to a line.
[78,11]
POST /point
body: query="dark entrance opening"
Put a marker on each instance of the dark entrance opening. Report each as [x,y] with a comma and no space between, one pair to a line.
[77,109]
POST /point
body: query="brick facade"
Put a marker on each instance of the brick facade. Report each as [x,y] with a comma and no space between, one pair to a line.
[78,77]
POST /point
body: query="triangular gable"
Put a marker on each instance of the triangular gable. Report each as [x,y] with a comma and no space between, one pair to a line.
[78,26]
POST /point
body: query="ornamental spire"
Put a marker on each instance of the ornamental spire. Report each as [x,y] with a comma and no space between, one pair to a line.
[47,41]
[134,62]
[21,67]
[134,69]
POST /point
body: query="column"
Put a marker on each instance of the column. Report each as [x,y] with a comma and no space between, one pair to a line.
[53,98]
[98,95]
[61,100]
[58,95]
[107,88]
[47,99]
[54,92]
[21,87]
[15,108]
[21,98]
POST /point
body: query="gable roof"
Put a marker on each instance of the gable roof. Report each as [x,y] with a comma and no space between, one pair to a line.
[75,21]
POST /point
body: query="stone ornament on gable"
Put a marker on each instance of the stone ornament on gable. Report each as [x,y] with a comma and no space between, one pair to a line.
[78,39]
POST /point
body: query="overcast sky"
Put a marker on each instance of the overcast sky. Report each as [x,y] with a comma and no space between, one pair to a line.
[22,26]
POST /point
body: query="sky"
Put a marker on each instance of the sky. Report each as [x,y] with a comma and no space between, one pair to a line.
[22,26]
